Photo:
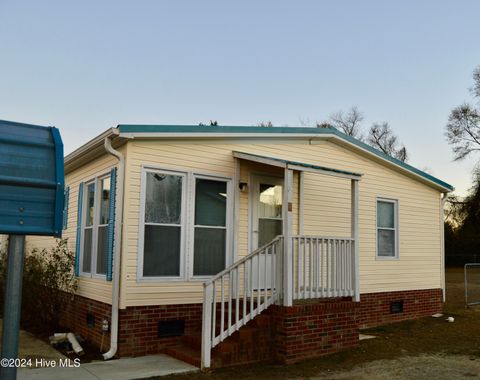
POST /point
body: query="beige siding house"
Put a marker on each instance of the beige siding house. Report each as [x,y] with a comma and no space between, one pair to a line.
[189,233]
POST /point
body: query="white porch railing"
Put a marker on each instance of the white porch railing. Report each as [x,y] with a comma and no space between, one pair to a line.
[239,293]
[322,267]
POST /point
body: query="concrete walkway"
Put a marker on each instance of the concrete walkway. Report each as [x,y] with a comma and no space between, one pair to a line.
[121,369]
[30,347]
[40,352]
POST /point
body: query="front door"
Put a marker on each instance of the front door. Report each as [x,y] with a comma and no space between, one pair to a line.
[266,221]
[266,209]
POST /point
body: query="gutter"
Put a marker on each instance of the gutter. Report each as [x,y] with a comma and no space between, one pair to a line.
[443,200]
[117,249]
[91,145]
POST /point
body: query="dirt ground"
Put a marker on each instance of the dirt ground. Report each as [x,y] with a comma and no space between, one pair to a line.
[428,348]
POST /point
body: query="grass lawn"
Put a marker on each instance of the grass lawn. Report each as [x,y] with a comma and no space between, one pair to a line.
[412,339]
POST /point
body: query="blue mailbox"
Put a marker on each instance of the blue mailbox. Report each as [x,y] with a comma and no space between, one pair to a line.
[31,179]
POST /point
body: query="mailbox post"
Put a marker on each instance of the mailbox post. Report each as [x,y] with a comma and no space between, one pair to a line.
[31,203]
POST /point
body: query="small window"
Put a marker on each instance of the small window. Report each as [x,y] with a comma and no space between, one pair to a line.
[163,228]
[387,229]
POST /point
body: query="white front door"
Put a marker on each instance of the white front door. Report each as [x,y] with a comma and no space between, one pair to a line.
[266,220]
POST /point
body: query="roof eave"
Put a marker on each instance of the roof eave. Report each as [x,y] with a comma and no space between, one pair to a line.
[326,134]
[403,167]
[89,150]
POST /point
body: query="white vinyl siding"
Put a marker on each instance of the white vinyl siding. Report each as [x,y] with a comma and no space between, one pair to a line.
[90,287]
[326,210]
[326,207]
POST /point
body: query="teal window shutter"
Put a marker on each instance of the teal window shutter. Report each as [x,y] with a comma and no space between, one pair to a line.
[79,230]
[111,223]
[66,197]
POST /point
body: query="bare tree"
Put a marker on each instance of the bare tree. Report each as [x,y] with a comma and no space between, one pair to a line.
[381,136]
[324,124]
[463,126]
[267,123]
[348,122]
[463,130]
[213,123]
[476,83]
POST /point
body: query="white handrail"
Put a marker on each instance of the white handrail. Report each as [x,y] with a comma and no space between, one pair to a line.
[242,291]
[322,267]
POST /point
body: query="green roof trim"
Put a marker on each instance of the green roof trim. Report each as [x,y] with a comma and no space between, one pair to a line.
[207,129]
[404,165]
[132,128]
[303,164]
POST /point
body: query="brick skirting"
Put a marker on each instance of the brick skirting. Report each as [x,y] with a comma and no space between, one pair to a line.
[75,319]
[313,329]
[138,327]
[374,309]
[290,334]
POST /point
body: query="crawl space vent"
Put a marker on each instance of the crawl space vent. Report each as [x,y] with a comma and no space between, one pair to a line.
[396,307]
[90,320]
[171,328]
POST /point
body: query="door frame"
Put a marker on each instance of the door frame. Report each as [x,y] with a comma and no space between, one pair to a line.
[254,179]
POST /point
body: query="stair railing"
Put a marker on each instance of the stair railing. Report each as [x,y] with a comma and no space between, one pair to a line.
[238,294]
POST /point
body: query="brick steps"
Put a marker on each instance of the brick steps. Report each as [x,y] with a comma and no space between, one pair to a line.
[185,353]
[248,344]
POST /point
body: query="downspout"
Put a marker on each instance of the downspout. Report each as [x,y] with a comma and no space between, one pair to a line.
[117,249]
[443,200]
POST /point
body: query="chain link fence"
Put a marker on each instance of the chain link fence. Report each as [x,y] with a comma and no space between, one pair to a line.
[472,284]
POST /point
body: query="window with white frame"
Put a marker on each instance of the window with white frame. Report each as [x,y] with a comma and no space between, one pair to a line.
[95,226]
[387,228]
[163,224]
[210,226]
[183,238]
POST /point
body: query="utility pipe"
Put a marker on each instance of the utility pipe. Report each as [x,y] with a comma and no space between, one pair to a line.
[58,337]
[117,249]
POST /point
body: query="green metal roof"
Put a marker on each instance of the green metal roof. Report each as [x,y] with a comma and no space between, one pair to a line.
[206,129]
[132,128]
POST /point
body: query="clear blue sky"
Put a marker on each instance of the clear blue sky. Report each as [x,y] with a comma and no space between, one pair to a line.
[84,66]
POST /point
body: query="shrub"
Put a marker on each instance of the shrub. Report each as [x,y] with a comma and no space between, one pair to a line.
[49,285]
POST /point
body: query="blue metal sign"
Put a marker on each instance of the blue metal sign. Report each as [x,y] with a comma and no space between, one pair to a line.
[31,179]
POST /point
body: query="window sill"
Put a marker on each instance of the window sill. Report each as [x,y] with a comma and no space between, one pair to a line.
[197,279]
[92,276]
[160,279]
[387,258]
